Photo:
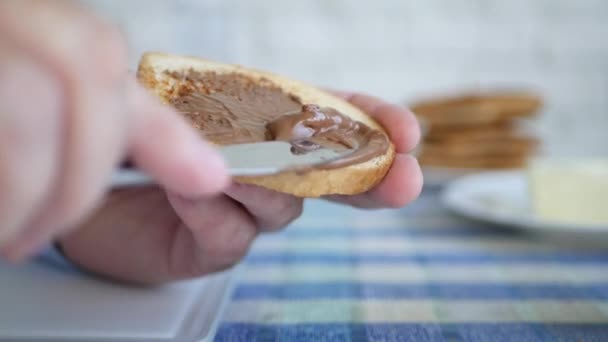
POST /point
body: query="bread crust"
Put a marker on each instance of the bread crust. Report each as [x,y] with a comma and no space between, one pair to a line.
[477,109]
[153,74]
[476,163]
[467,149]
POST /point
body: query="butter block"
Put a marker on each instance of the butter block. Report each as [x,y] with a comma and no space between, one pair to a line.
[573,190]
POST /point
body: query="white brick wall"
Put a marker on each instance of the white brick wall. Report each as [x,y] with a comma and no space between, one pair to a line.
[402,49]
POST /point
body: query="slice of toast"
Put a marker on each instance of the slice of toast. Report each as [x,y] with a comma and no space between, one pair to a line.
[160,73]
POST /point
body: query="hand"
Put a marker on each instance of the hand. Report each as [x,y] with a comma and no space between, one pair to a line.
[403,182]
[69,112]
[149,236]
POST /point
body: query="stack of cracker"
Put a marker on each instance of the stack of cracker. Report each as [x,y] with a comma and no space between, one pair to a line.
[479,131]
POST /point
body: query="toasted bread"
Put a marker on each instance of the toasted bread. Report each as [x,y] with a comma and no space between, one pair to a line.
[156,72]
[479,163]
[477,109]
[503,146]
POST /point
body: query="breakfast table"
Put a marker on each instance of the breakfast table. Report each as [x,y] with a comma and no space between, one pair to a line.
[416,274]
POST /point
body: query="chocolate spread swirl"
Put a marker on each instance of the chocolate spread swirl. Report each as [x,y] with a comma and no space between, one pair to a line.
[233,108]
[314,127]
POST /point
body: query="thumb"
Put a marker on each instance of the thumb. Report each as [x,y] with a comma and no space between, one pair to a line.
[162,144]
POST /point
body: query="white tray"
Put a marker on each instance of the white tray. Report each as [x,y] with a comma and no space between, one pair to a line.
[43,302]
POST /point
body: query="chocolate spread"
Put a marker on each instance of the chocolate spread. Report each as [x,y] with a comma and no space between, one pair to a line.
[314,127]
[232,109]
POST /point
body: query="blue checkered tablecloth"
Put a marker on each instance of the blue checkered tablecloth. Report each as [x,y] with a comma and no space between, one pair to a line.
[418,274]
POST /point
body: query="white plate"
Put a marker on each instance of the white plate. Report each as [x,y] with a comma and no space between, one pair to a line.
[503,198]
[47,302]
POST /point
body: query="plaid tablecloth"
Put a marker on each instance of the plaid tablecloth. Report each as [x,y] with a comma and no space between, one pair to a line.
[418,274]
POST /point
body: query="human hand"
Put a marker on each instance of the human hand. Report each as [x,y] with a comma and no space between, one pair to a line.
[403,182]
[69,112]
[149,236]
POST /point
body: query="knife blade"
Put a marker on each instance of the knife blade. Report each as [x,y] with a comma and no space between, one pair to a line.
[251,159]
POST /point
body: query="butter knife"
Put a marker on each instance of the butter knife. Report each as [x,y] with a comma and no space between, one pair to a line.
[252,159]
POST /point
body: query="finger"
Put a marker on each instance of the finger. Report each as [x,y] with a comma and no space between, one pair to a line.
[161,144]
[166,147]
[222,232]
[96,122]
[30,127]
[73,42]
[401,185]
[66,36]
[271,210]
[94,141]
[401,124]
[129,238]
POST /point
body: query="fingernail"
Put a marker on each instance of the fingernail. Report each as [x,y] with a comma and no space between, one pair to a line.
[234,187]
[214,175]
[213,158]
[240,189]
